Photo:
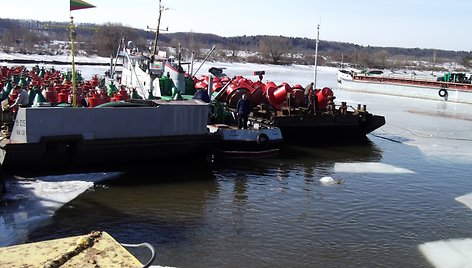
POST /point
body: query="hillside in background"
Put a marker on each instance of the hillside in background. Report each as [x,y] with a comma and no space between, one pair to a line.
[27,36]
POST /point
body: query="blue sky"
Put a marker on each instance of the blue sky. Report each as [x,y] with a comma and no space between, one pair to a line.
[394,23]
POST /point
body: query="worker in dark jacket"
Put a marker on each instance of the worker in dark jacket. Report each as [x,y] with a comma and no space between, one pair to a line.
[202,95]
[308,93]
[243,109]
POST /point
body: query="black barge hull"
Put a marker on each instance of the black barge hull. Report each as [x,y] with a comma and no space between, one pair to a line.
[327,128]
[73,153]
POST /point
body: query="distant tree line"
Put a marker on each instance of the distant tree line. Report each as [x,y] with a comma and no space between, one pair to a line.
[28,36]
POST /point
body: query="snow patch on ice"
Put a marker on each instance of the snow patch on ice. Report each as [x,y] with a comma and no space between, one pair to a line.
[371,167]
[465,199]
[448,253]
[331,181]
[52,195]
[31,203]
[63,58]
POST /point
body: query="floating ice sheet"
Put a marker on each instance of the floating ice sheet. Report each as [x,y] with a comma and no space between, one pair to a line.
[465,199]
[370,167]
[330,181]
[448,253]
[31,203]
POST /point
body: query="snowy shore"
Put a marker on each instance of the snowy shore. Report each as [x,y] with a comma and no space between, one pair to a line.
[4,57]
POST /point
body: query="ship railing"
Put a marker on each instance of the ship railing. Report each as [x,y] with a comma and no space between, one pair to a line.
[397,77]
[141,87]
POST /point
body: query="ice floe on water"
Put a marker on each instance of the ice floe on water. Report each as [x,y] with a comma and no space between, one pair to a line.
[448,253]
[370,167]
[451,252]
[331,181]
[30,203]
[465,199]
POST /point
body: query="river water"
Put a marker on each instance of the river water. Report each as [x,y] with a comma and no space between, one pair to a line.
[399,192]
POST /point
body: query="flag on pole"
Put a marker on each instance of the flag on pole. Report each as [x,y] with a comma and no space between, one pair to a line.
[79,4]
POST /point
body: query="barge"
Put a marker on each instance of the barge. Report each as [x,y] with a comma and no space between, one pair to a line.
[451,87]
[304,116]
[119,134]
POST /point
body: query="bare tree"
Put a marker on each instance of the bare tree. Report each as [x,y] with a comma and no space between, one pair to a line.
[196,48]
[381,59]
[234,50]
[467,61]
[273,48]
[13,38]
[107,38]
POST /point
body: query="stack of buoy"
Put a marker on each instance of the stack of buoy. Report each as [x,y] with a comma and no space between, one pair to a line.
[276,96]
[53,87]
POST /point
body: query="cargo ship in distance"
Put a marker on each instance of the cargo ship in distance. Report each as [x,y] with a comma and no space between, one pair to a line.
[451,87]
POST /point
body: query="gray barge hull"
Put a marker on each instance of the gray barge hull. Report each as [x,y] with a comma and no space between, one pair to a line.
[50,137]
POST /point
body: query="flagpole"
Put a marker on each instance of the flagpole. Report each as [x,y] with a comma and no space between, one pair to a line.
[75,5]
[316,55]
[72,39]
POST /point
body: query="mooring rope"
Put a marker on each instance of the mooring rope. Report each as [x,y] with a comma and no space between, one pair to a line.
[82,244]
[417,134]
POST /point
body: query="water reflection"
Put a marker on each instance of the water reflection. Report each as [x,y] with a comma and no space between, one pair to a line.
[245,206]
[270,212]
[239,190]
[169,194]
[312,162]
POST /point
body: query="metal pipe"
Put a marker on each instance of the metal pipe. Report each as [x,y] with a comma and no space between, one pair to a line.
[204,60]
[223,89]
[210,84]
[113,67]
[192,60]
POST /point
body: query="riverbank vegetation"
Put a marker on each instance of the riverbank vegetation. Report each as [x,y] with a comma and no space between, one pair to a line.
[52,38]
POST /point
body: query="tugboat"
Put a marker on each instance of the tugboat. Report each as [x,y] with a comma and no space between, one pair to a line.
[256,140]
[154,75]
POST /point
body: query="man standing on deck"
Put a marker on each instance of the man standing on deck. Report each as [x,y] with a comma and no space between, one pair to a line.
[202,95]
[243,109]
[22,99]
[308,92]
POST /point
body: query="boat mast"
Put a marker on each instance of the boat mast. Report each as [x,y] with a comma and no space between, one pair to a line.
[316,55]
[154,49]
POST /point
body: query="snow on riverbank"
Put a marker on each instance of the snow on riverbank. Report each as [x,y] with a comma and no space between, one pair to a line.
[49,58]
